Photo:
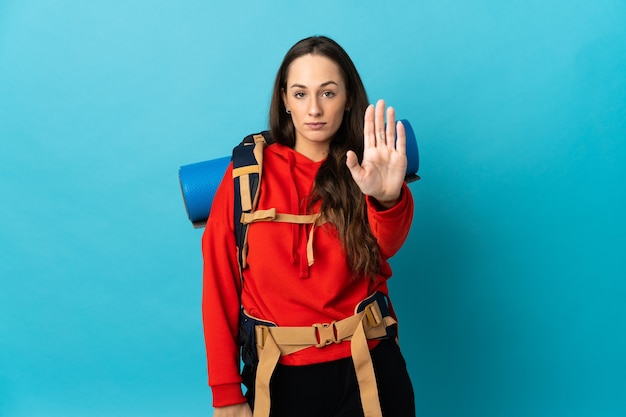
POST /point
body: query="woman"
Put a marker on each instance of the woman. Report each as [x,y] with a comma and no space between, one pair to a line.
[333,159]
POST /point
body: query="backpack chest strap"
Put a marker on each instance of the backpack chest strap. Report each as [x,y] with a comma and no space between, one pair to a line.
[270,215]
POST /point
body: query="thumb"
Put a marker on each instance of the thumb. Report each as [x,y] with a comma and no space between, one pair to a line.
[352,162]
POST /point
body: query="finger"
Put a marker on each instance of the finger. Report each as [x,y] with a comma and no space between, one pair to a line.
[401,142]
[379,123]
[369,138]
[352,162]
[391,128]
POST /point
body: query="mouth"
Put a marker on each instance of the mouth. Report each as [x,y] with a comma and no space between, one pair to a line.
[315,125]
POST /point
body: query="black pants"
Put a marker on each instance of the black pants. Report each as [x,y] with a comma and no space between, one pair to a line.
[331,389]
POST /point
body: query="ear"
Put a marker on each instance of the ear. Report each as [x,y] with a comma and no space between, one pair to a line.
[284,96]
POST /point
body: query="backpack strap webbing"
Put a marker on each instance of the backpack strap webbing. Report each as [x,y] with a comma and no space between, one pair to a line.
[371,321]
[247,174]
[270,215]
[247,169]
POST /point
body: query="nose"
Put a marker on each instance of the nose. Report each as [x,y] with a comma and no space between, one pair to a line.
[315,108]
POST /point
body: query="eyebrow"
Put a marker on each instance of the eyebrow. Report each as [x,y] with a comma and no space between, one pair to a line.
[327,83]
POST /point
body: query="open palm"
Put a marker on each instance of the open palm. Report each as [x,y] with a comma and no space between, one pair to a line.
[383,168]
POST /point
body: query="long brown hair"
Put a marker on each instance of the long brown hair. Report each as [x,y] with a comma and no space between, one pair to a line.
[342,202]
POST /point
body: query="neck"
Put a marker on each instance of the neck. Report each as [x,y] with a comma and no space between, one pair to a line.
[315,152]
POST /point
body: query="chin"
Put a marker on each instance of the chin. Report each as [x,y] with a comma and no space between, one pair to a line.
[317,136]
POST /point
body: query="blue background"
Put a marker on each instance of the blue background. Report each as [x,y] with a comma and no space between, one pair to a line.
[510,290]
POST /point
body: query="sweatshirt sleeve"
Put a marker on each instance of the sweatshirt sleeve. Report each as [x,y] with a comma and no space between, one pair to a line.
[221,298]
[391,226]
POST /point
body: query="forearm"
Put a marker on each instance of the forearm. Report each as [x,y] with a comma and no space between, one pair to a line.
[220,314]
[391,225]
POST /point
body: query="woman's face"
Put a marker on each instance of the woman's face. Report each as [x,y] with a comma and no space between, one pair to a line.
[316,96]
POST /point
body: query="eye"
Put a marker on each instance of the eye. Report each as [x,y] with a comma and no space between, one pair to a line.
[328,94]
[298,94]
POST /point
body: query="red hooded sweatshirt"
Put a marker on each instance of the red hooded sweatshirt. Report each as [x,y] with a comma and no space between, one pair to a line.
[278,284]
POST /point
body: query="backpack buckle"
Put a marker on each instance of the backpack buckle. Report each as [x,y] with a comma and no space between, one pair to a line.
[326,334]
[261,335]
[373,315]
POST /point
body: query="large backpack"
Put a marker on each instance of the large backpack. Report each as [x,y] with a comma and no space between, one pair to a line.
[199,182]
[199,188]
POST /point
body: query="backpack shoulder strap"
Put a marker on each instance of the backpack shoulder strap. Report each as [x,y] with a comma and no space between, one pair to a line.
[247,170]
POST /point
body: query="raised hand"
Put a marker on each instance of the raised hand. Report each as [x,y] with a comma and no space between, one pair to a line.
[383,168]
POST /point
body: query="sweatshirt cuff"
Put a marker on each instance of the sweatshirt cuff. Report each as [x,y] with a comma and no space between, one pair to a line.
[227,394]
[374,206]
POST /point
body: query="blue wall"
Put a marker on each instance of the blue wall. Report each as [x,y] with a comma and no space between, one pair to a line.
[511,286]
